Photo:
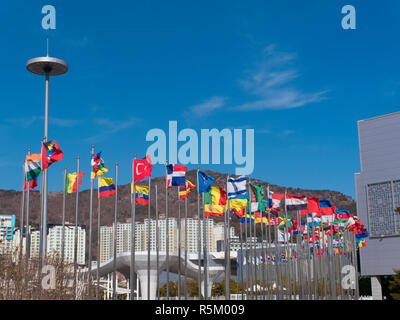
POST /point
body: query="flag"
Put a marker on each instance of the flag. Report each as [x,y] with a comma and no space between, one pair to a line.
[282,237]
[32,167]
[141,194]
[296,202]
[51,153]
[283,222]
[261,217]
[215,201]
[185,190]
[257,194]
[176,174]
[326,208]
[106,187]
[70,183]
[312,206]
[239,204]
[274,199]
[98,167]
[236,187]
[142,168]
[205,182]
[341,217]
[247,218]
[32,184]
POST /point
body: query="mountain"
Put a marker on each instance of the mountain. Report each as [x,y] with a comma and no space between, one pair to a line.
[10,202]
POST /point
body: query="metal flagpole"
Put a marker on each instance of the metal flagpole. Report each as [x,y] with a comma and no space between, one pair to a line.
[27,230]
[249,267]
[90,229]
[132,279]
[241,258]
[186,252]
[22,211]
[262,255]
[247,258]
[98,241]
[228,242]
[148,243]
[63,218]
[167,226]
[157,248]
[198,232]
[226,217]
[255,255]
[268,251]
[179,248]
[41,219]
[299,281]
[287,265]
[76,225]
[355,260]
[205,258]
[114,296]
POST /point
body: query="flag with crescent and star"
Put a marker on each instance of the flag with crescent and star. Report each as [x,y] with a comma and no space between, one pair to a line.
[142,168]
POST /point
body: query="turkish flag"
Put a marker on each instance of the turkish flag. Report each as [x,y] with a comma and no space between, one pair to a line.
[142,168]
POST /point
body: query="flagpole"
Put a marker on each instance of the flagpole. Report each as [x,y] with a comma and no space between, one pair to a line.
[133,234]
[167,226]
[262,255]
[287,244]
[355,260]
[148,242]
[226,229]
[228,242]
[157,247]
[198,232]
[63,219]
[27,230]
[186,251]
[90,229]
[76,224]
[205,258]
[270,289]
[114,296]
[41,215]
[249,268]
[98,240]
[22,212]
[298,260]
[241,258]
[247,257]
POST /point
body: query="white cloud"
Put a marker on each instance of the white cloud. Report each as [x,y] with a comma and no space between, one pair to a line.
[270,81]
[205,108]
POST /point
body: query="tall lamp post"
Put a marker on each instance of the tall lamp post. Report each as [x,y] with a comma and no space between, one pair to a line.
[46,66]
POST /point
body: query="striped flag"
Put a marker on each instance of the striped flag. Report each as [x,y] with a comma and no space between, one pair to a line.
[70,184]
[106,187]
[236,187]
[98,167]
[142,194]
[215,201]
[296,202]
[32,166]
[185,190]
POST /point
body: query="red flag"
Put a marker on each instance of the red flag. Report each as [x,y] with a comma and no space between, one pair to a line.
[32,184]
[142,168]
[312,206]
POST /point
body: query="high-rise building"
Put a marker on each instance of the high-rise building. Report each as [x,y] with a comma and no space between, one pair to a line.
[54,242]
[7,225]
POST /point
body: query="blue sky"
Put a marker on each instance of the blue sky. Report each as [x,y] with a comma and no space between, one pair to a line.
[285,68]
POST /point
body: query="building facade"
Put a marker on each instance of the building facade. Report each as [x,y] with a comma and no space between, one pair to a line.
[378,195]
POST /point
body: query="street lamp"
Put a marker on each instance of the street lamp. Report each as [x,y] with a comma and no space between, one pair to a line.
[46,66]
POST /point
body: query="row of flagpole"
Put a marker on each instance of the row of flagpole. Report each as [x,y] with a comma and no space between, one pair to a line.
[319,270]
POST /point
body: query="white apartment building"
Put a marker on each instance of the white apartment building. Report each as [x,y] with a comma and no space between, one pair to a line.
[7,225]
[54,242]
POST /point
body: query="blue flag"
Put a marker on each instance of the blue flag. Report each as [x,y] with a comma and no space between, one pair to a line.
[205,182]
